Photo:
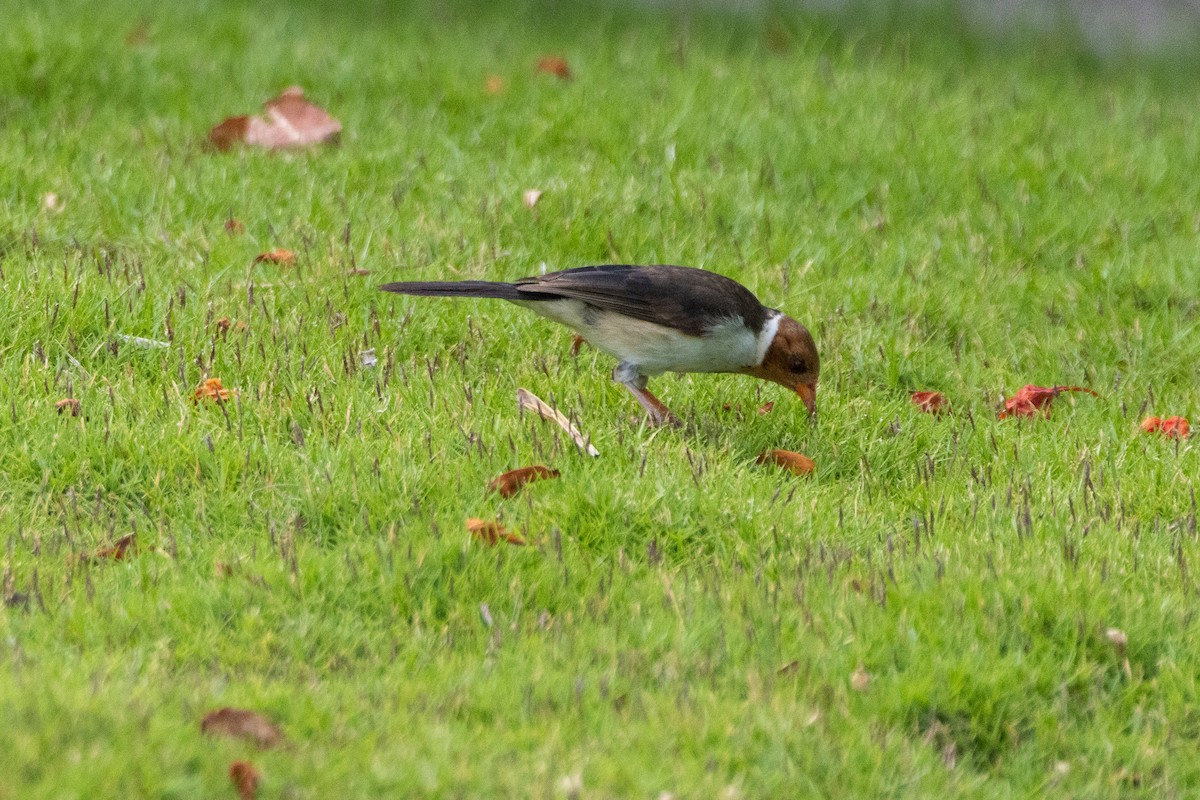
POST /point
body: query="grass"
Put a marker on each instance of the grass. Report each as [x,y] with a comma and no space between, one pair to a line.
[942,218]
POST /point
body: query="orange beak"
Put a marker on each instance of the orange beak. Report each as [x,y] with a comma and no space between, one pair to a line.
[808,393]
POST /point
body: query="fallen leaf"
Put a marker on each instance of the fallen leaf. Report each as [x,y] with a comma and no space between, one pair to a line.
[494,84]
[531,197]
[793,462]
[245,779]
[277,256]
[70,404]
[127,544]
[766,408]
[358,273]
[491,532]
[555,65]
[528,400]
[291,121]
[577,343]
[141,341]
[211,389]
[930,402]
[789,669]
[241,723]
[52,202]
[511,482]
[1171,427]
[223,325]
[234,227]
[1031,399]
[860,679]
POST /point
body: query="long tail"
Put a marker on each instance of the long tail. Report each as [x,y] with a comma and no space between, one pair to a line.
[501,291]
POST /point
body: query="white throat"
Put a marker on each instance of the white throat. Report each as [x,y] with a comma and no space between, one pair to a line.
[766,336]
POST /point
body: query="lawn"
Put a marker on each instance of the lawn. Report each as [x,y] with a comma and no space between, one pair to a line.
[951,606]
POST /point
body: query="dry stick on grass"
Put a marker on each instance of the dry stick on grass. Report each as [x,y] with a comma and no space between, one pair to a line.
[530,401]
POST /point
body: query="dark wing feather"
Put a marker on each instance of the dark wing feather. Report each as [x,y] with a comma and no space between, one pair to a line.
[687,299]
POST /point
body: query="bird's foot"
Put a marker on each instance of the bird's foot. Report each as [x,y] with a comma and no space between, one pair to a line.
[655,408]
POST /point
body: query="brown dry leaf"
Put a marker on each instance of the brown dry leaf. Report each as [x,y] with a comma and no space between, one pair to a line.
[491,532]
[511,482]
[494,84]
[528,400]
[223,325]
[555,65]
[291,121]
[241,723]
[860,679]
[1171,427]
[358,273]
[1031,399]
[788,669]
[53,203]
[793,462]
[234,227]
[277,256]
[245,779]
[766,408]
[213,390]
[531,197]
[930,402]
[68,404]
[126,545]
[577,343]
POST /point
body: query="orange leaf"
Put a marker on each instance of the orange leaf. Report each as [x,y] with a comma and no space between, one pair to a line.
[793,462]
[1171,427]
[555,65]
[126,544]
[277,256]
[491,532]
[511,482]
[68,404]
[1031,399]
[766,408]
[245,779]
[291,121]
[211,389]
[930,402]
[241,723]
[223,325]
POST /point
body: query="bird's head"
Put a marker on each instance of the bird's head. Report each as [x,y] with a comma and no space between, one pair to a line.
[792,361]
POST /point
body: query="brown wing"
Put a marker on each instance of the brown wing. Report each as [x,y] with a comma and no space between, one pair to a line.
[684,298]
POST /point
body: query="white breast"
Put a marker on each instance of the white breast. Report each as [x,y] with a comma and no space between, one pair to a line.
[728,347]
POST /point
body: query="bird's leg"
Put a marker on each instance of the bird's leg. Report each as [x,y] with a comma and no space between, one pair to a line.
[628,376]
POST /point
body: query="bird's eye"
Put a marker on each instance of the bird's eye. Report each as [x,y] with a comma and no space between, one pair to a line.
[798,365]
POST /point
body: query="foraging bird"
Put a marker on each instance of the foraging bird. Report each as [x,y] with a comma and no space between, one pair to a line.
[660,319]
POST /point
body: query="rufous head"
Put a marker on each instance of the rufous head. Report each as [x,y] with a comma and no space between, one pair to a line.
[791,360]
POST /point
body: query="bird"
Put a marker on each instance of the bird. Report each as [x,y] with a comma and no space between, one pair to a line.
[659,318]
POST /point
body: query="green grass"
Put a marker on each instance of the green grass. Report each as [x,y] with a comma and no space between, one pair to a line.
[941,218]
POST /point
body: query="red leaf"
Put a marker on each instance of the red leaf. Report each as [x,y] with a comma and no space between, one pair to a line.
[555,65]
[211,389]
[1031,399]
[1171,427]
[241,723]
[291,121]
[930,402]
[126,544]
[277,256]
[69,405]
[245,779]
[793,462]
[491,532]
[511,482]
